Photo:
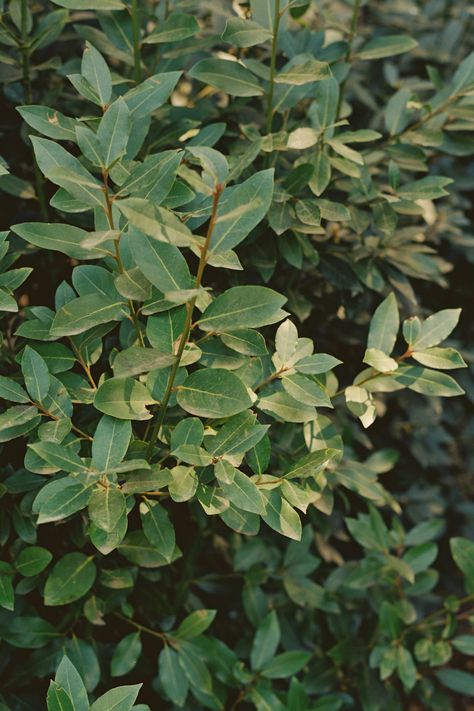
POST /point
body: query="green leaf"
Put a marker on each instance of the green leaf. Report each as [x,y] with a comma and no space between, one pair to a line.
[36,374]
[461,682]
[120,699]
[57,237]
[243,307]
[187,431]
[7,595]
[427,382]
[60,457]
[311,464]
[266,641]
[106,507]
[442,358]
[70,680]
[406,668]
[172,677]
[239,489]
[286,664]
[379,360]
[309,71]
[110,443]
[114,131]
[213,392]
[194,668]
[384,326]
[158,527]
[137,359]
[195,624]
[123,398]
[58,699]
[228,76]
[150,94]
[304,389]
[435,329]
[428,188]
[59,499]
[32,560]
[284,407]
[321,173]
[126,654]
[49,122]
[386,46]
[152,180]
[176,28]
[246,342]
[316,364]
[12,391]
[94,69]
[85,312]
[464,643]
[239,434]
[238,214]
[70,579]
[462,550]
[281,516]
[162,264]
[245,33]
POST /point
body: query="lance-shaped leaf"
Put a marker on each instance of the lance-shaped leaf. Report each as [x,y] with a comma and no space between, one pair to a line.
[176,28]
[85,312]
[245,33]
[158,527]
[57,237]
[110,443]
[281,516]
[95,71]
[238,214]
[124,398]
[239,489]
[386,46]
[225,75]
[136,360]
[36,374]
[162,264]
[148,96]
[435,329]
[305,73]
[106,507]
[70,579]
[114,131]
[384,326]
[213,392]
[243,307]
[60,498]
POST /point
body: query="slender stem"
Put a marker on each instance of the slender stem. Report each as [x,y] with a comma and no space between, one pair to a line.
[137,60]
[49,414]
[142,628]
[118,258]
[187,324]
[85,367]
[276,27]
[25,63]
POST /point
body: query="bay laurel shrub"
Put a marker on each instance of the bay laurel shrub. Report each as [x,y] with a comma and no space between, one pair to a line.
[234,459]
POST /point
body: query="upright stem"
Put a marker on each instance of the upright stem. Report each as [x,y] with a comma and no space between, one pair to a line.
[276,27]
[25,62]
[187,324]
[137,60]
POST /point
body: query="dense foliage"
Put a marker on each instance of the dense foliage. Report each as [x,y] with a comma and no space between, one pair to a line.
[234,466]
